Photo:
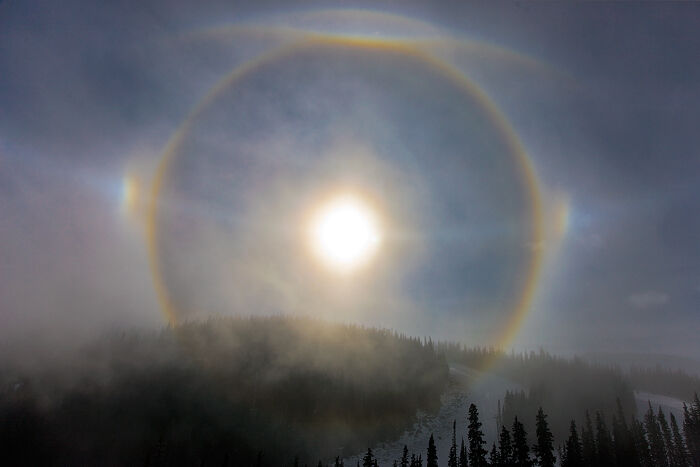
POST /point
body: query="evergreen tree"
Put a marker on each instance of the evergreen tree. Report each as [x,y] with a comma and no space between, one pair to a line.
[404,457]
[521,451]
[544,448]
[588,447]
[641,444]
[452,459]
[604,453]
[477,453]
[505,448]
[493,456]
[432,458]
[657,450]
[463,455]
[691,427]
[414,461]
[680,453]
[622,439]
[666,434]
[572,453]
[368,459]
[338,462]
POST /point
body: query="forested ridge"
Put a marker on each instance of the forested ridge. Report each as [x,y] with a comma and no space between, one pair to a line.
[231,390]
[290,391]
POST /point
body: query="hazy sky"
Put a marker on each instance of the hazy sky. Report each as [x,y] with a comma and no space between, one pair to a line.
[605,99]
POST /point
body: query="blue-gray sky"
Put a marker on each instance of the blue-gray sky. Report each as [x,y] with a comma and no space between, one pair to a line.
[604,97]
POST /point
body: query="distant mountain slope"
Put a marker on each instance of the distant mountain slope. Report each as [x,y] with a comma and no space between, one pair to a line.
[237,390]
[628,360]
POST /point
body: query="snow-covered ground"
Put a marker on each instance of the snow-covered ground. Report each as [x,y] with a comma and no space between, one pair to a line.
[466,386]
[667,404]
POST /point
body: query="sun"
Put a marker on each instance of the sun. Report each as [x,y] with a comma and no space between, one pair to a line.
[345,233]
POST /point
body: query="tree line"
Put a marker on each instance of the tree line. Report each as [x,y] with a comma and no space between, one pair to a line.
[655,441]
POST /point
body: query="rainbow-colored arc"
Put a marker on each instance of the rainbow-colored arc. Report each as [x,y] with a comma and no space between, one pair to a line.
[407,48]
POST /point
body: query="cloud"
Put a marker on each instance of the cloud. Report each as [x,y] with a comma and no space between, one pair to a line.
[648,299]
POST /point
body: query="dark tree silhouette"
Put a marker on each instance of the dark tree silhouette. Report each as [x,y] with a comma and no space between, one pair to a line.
[572,452]
[452,459]
[679,457]
[657,449]
[463,455]
[505,448]
[493,455]
[691,427]
[432,459]
[588,447]
[544,447]
[477,453]
[605,455]
[641,444]
[368,459]
[625,454]
[404,457]
[521,450]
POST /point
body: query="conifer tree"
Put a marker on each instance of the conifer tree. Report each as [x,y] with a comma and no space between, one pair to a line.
[588,447]
[452,459]
[657,450]
[521,451]
[368,459]
[691,428]
[544,447]
[572,452]
[404,457]
[493,456]
[666,434]
[432,459]
[505,448]
[338,462]
[413,460]
[680,453]
[641,444]
[622,439]
[477,453]
[463,455]
[604,453]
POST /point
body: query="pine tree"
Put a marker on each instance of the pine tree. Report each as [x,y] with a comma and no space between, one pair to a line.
[493,456]
[413,460]
[572,453]
[463,455]
[505,448]
[680,453]
[452,459]
[477,453]
[691,428]
[521,451]
[404,457]
[666,434]
[338,462]
[604,453]
[641,444]
[588,447]
[432,458]
[368,459]
[544,448]
[657,449]
[622,439]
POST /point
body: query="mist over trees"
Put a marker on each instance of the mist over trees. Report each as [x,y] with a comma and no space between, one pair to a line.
[234,391]
[291,391]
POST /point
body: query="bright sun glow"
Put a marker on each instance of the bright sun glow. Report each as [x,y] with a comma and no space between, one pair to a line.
[345,233]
